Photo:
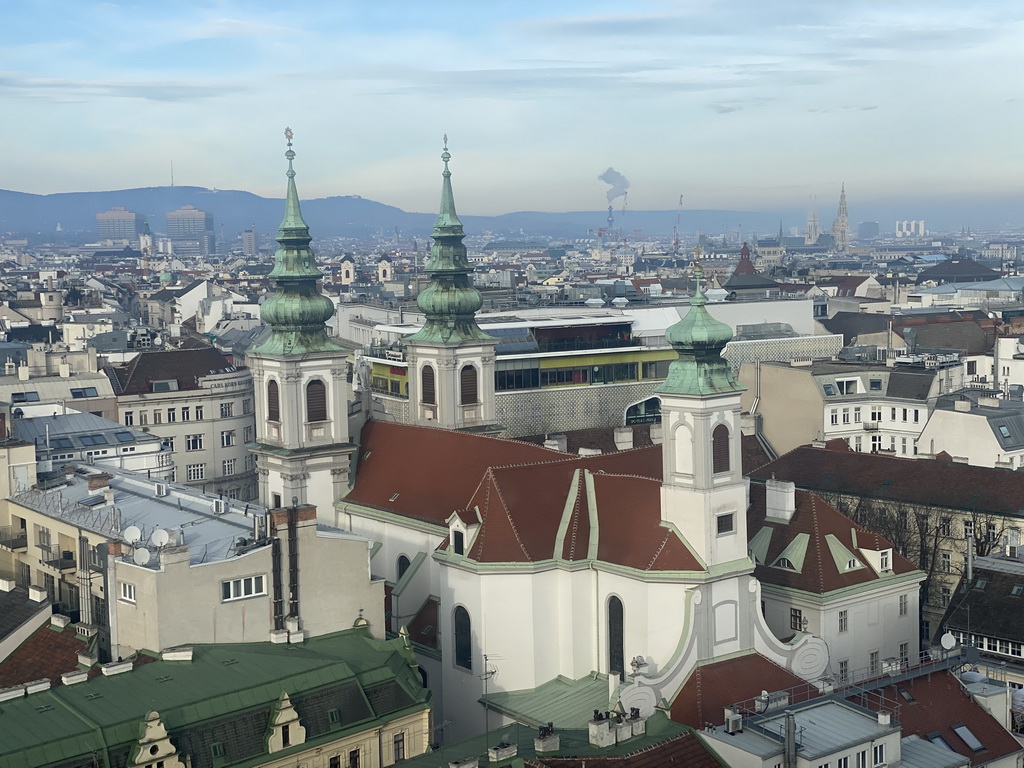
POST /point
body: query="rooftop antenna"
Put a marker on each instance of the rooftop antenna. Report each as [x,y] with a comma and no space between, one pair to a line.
[172,173]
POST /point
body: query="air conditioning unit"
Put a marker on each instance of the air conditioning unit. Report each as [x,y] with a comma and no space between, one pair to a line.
[161,489]
[220,506]
[734,724]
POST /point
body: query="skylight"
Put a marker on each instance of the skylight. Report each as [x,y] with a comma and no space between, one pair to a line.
[1018,590]
[969,738]
[1004,431]
[981,583]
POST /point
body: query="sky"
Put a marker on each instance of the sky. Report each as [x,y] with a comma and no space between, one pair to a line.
[745,104]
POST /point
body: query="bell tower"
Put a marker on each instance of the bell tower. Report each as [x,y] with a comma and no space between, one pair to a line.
[703,492]
[300,377]
[451,361]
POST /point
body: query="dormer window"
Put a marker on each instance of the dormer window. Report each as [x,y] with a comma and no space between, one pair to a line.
[785,562]
[458,542]
[885,560]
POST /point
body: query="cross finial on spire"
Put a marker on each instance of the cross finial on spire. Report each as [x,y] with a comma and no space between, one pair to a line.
[446,156]
[289,154]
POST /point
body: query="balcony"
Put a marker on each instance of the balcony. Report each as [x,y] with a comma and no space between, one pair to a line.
[60,560]
[871,426]
[13,539]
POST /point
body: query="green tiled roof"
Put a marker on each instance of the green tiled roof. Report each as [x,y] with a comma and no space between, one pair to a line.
[220,681]
[567,703]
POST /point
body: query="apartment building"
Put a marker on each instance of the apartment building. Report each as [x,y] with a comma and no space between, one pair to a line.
[202,406]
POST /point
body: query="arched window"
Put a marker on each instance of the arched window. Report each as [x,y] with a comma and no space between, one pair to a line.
[463,638]
[720,449]
[273,401]
[348,274]
[427,394]
[316,401]
[467,382]
[403,565]
[616,661]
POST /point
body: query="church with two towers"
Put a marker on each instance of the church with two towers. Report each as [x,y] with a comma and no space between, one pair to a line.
[523,576]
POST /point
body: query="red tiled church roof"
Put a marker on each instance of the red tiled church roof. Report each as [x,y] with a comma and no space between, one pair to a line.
[713,687]
[685,751]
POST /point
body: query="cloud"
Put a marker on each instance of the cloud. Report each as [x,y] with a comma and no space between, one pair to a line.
[226,27]
[16,85]
[724,109]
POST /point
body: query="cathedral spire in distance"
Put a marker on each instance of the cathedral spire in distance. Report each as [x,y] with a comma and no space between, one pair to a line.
[296,312]
[450,302]
[841,226]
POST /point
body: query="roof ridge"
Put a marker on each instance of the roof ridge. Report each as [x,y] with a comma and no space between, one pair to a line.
[576,518]
[489,480]
[817,541]
[664,543]
[508,514]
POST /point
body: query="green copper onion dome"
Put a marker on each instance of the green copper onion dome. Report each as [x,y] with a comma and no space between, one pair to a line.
[450,302]
[699,340]
[296,312]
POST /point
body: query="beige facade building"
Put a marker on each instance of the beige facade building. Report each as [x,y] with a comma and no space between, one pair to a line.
[151,565]
[202,406]
[873,407]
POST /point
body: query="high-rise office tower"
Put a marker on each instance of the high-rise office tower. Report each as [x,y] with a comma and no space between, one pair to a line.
[191,231]
[841,225]
[120,224]
[250,242]
[867,230]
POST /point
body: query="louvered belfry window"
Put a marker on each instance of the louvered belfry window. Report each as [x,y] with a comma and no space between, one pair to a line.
[467,383]
[316,401]
[720,449]
[273,401]
[428,394]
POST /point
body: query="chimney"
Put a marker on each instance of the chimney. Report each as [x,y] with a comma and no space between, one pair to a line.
[557,443]
[99,481]
[962,406]
[623,437]
[65,370]
[780,499]
[656,434]
[23,372]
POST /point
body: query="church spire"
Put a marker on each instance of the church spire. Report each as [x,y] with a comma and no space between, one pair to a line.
[450,301]
[699,340]
[296,312]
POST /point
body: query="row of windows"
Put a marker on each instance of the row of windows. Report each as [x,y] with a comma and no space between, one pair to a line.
[186,413]
[463,637]
[316,401]
[236,589]
[853,415]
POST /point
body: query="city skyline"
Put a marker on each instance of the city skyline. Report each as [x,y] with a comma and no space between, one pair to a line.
[730,104]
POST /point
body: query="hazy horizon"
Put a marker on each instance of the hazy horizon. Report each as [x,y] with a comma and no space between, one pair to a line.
[734,104]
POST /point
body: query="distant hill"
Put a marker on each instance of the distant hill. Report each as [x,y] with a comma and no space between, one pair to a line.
[354,216]
[350,216]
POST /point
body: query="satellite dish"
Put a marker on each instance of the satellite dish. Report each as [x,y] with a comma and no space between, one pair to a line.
[141,556]
[132,534]
[947,641]
[160,537]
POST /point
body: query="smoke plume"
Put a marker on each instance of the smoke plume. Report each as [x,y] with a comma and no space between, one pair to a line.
[619,183]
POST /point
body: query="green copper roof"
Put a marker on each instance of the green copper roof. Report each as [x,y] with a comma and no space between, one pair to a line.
[571,703]
[90,718]
[296,312]
[699,340]
[450,301]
